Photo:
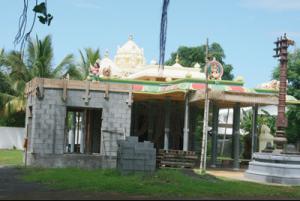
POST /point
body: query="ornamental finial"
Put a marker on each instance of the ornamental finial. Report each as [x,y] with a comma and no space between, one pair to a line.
[177,59]
[106,55]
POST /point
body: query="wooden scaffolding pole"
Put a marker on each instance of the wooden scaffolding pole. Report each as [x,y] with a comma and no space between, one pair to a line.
[205,120]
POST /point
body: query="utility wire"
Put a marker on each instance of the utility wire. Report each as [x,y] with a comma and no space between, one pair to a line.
[22,37]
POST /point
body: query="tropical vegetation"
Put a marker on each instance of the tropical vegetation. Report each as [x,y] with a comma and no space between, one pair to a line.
[189,56]
[37,61]
[87,58]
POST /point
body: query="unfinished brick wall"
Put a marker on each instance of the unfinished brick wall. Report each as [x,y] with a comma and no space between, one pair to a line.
[47,125]
[134,156]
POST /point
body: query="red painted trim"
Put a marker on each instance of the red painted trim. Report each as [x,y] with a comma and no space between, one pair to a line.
[198,86]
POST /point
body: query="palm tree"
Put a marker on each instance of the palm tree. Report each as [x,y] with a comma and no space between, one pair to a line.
[87,59]
[37,62]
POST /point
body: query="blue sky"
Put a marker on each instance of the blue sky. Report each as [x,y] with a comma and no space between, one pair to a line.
[246,29]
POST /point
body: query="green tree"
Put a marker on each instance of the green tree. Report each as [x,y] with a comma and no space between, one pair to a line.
[246,125]
[87,58]
[189,56]
[293,113]
[37,62]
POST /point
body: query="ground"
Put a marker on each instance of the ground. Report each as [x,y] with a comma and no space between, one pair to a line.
[54,184]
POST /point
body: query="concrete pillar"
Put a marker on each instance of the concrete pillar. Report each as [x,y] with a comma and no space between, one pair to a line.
[236,136]
[167,125]
[150,121]
[254,129]
[73,132]
[215,131]
[186,125]
[82,137]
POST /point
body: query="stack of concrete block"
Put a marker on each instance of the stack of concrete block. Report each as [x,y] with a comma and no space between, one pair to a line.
[134,156]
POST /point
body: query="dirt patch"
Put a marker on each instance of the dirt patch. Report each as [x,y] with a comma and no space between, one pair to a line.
[190,173]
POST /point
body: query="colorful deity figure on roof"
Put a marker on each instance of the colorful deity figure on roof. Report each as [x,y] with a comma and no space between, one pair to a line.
[215,70]
[95,69]
[107,71]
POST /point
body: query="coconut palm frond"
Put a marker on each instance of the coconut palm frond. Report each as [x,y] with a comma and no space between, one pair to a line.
[66,63]
[42,63]
[17,104]
[83,64]
[19,86]
[5,98]
[87,59]
[1,56]
[74,73]
[18,69]
[31,53]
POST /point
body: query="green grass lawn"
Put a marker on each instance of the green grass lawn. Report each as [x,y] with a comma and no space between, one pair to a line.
[164,183]
[11,157]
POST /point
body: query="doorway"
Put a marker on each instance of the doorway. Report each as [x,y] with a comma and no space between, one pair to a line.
[83,130]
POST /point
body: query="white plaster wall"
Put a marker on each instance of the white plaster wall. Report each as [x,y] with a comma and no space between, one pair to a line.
[10,137]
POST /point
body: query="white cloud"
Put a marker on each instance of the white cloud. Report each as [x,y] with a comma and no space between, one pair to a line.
[272,5]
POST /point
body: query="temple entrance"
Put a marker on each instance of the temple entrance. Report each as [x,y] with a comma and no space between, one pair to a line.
[149,123]
[83,130]
[165,123]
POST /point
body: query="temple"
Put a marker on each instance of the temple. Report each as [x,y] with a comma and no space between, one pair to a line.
[78,123]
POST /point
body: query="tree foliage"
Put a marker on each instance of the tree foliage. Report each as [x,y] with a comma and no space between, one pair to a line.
[37,62]
[87,58]
[293,113]
[263,119]
[189,56]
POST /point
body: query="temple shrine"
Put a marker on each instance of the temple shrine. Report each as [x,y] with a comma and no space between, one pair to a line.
[74,123]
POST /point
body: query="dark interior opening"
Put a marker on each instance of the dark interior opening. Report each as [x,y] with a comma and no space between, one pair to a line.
[83,130]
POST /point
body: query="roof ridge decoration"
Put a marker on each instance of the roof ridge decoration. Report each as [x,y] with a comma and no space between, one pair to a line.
[177,64]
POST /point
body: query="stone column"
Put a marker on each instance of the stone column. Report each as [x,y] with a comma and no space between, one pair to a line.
[167,125]
[236,136]
[215,131]
[73,132]
[186,125]
[254,129]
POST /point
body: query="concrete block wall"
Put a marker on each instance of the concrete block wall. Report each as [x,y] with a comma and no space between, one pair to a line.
[116,116]
[48,123]
[134,156]
[47,132]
